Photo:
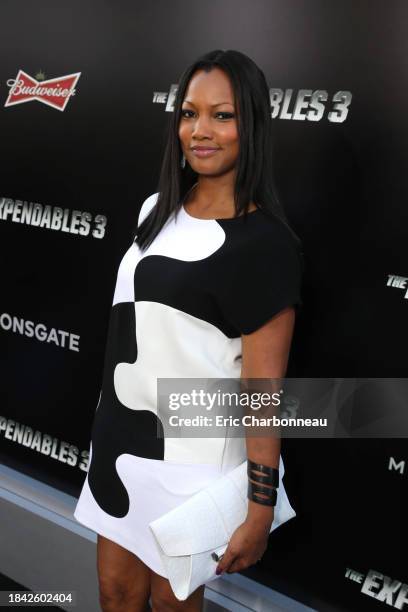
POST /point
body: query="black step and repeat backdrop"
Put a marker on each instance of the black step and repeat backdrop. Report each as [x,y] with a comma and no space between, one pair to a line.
[86,89]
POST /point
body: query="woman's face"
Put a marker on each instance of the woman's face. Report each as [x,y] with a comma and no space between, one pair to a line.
[208,122]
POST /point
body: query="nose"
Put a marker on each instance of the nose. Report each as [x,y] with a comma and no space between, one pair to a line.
[201,128]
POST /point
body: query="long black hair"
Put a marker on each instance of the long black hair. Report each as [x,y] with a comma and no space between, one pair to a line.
[254,176]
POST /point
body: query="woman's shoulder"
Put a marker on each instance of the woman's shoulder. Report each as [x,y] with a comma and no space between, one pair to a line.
[146,207]
[270,228]
[273,238]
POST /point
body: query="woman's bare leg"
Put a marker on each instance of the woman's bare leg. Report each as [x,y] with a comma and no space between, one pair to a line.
[124,580]
[164,600]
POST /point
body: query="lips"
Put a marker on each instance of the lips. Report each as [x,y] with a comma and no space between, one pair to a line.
[204,151]
[205,148]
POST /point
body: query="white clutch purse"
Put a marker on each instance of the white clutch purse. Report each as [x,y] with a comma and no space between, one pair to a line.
[187,536]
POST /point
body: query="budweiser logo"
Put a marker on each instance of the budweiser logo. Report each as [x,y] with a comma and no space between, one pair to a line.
[53,92]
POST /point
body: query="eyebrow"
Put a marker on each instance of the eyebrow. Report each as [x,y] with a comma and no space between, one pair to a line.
[213,105]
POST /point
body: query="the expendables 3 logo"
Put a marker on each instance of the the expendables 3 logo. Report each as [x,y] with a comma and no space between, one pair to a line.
[381,587]
[80,222]
[398,282]
[305,105]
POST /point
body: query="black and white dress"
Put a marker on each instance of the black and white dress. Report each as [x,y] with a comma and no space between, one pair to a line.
[178,310]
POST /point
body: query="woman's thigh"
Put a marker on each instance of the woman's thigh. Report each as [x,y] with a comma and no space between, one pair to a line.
[124,580]
[164,600]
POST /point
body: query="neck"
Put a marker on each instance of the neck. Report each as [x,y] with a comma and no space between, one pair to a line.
[214,193]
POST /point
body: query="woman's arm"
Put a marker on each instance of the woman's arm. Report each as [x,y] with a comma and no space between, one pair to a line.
[265,354]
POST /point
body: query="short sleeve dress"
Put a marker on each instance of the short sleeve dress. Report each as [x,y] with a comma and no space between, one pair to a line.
[178,310]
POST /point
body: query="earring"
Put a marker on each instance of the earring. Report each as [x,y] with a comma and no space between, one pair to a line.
[183,161]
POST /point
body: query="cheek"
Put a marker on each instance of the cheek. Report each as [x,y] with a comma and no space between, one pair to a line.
[230,135]
[182,133]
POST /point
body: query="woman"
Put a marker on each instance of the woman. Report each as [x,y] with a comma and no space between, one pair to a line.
[208,289]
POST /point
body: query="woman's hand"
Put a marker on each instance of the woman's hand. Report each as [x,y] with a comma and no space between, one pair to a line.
[246,546]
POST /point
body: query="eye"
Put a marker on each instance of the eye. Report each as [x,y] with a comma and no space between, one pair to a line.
[226,115]
[184,111]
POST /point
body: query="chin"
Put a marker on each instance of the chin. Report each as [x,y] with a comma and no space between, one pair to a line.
[214,173]
[205,167]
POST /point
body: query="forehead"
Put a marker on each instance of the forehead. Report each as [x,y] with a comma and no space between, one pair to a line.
[209,88]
